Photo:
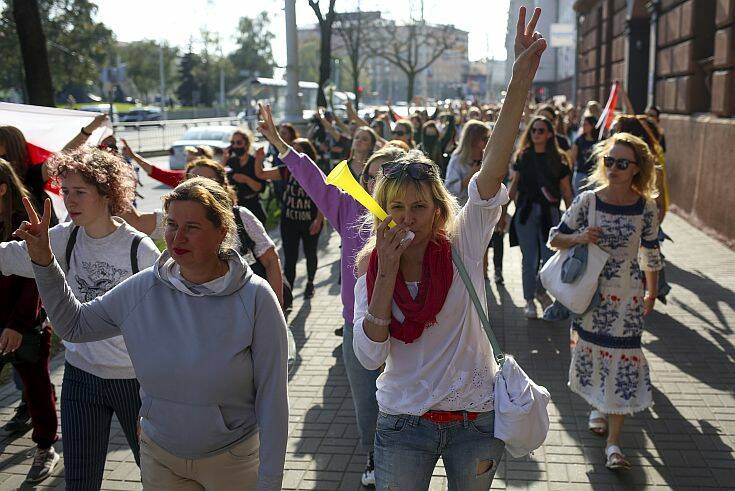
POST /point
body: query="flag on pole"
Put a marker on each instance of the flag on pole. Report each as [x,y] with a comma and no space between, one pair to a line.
[606,118]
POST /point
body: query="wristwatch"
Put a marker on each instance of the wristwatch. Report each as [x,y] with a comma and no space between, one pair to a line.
[84,132]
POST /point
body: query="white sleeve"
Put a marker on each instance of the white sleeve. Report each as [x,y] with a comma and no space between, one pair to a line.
[157,233]
[14,254]
[370,354]
[476,221]
[256,231]
[148,253]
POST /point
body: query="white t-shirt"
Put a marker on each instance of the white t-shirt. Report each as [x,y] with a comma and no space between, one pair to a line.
[96,266]
[451,367]
[250,223]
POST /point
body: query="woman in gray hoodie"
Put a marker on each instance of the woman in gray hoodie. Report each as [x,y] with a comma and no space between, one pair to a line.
[208,344]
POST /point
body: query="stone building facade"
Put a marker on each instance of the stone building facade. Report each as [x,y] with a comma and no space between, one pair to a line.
[679,55]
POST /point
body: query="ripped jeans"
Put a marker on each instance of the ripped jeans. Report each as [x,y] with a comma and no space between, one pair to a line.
[407,448]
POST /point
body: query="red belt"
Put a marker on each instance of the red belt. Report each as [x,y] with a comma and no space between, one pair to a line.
[448,416]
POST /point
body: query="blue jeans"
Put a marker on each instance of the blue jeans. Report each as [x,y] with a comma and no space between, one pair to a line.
[407,448]
[532,239]
[362,386]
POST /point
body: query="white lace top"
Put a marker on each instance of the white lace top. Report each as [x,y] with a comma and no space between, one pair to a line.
[451,367]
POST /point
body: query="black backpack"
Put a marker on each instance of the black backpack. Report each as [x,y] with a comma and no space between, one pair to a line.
[133,249]
[247,244]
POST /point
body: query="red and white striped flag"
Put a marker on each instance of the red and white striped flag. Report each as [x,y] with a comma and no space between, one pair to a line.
[606,118]
[47,130]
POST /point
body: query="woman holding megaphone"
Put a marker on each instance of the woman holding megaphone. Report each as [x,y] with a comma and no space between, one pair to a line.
[414,314]
[344,213]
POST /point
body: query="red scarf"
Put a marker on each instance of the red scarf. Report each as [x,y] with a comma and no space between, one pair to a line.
[436,278]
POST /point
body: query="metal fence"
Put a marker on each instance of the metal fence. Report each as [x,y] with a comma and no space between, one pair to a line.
[156,136]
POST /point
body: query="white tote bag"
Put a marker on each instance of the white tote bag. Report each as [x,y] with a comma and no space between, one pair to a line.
[521,414]
[577,295]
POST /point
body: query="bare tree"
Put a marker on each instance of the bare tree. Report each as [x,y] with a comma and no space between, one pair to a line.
[325,48]
[412,48]
[354,30]
[33,49]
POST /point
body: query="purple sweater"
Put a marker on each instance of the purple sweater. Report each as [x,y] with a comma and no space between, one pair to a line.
[343,213]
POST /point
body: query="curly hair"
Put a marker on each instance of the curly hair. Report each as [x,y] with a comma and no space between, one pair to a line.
[110,174]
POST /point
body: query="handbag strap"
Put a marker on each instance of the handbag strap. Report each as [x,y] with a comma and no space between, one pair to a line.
[591,216]
[499,356]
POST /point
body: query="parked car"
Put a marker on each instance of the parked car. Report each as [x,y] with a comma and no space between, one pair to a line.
[101,108]
[141,114]
[217,137]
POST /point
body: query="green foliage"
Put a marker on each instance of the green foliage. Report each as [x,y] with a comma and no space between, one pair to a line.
[77,45]
[142,61]
[254,52]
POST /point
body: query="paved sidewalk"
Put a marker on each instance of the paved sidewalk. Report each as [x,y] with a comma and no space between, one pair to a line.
[685,441]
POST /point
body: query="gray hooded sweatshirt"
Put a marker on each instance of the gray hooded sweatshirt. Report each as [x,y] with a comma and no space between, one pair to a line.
[212,364]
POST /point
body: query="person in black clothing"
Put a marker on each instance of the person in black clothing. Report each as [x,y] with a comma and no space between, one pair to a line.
[242,172]
[301,220]
[654,113]
[581,153]
[552,114]
[540,180]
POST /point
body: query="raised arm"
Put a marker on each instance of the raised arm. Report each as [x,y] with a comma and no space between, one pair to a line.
[73,321]
[84,133]
[529,46]
[260,172]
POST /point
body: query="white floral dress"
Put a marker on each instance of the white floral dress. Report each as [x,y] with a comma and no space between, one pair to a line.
[608,368]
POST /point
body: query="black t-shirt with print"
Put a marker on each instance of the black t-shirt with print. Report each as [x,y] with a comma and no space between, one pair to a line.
[297,206]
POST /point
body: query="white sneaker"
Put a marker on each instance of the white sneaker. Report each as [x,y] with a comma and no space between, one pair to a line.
[544,299]
[368,475]
[529,311]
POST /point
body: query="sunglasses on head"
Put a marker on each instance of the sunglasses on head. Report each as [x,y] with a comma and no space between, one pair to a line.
[621,164]
[418,171]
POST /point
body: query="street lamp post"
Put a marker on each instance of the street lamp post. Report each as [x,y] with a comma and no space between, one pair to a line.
[293,106]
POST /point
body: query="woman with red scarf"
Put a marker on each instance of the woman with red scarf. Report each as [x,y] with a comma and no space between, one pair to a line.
[414,315]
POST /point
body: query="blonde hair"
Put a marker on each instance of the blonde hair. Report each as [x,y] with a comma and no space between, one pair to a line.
[644,182]
[471,132]
[217,204]
[432,189]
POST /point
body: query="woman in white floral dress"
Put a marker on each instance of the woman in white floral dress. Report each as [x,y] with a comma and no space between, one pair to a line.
[608,368]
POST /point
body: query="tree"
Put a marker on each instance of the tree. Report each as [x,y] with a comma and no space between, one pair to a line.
[254,52]
[412,48]
[142,65]
[354,29]
[325,46]
[77,46]
[309,60]
[188,90]
[33,48]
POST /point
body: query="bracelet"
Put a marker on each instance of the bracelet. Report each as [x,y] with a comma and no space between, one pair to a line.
[84,132]
[378,322]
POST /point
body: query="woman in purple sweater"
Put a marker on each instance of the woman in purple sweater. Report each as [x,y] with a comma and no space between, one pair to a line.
[344,213]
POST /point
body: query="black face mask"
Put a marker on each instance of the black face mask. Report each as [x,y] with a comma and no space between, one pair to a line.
[239,151]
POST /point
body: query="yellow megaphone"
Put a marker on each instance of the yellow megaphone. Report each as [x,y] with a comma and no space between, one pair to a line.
[342,177]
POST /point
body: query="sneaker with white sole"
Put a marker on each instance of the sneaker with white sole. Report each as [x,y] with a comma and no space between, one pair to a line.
[43,465]
[529,311]
[368,475]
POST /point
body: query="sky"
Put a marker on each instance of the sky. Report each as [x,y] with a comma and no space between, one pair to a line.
[176,21]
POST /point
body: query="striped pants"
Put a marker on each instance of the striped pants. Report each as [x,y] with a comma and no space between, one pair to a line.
[87,405]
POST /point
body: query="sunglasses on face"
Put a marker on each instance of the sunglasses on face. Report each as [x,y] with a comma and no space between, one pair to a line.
[237,143]
[538,131]
[621,164]
[417,171]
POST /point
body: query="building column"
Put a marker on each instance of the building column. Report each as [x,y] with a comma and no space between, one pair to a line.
[653,7]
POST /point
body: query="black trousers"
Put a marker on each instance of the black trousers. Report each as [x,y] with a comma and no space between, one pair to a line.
[293,233]
[496,242]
